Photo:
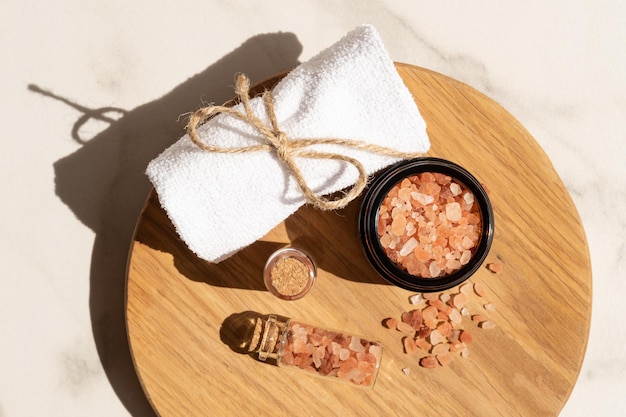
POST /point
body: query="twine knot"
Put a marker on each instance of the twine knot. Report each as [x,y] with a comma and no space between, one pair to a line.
[287,149]
[281,146]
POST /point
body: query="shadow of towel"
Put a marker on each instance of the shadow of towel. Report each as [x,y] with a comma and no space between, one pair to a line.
[104,184]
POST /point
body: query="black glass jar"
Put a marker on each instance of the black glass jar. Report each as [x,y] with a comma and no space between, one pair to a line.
[368,225]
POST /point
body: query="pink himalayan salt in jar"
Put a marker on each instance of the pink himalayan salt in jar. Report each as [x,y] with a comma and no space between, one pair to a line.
[433,277]
[330,354]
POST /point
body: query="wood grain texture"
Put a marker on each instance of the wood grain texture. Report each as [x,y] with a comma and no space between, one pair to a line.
[180,310]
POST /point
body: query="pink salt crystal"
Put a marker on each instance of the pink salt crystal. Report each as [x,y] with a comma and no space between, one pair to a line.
[478,318]
[405,327]
[465,257]
[408,247]
[423,199]
[490,307]
[404,194]
[423,344]
[430,296]
[440,349]
[457,346]
[416,299]
[453,264]
[466,337]
[355,345]
[467,242]
[468,198]
[429,362]
[409,345]
[479,289]
[466,288]
[487,324]
[344,354]
[375,350]
[445,328]
[455,189]
[318,355]
[459,300]
[436,337]
[385,240]
[390,323]
[444,359]
[434,269]
[453,211]
[414,318]
[398,224]
[455,316]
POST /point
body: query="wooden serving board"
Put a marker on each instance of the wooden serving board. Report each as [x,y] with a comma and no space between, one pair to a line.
[180,309]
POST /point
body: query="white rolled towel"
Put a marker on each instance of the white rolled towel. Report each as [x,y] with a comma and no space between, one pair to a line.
[220,203]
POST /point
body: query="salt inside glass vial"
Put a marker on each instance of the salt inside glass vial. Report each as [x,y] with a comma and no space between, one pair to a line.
[325,353]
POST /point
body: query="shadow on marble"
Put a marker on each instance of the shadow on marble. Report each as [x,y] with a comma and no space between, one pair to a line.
[104,184]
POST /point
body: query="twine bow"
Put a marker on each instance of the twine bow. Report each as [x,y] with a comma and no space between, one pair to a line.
[286,149]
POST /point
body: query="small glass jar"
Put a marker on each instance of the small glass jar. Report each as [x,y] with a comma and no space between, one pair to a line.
[331,354]
[289,273]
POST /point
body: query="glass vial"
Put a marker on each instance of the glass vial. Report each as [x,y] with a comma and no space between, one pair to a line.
[326,353]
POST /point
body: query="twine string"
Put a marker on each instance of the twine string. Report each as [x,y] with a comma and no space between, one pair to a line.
[285,148]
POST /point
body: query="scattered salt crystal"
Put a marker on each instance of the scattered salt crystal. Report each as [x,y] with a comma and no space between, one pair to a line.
[479,290]
[465,311]
[429,362]
[494,267]
[405,327]
[444,359]
[487,324]
[436,337]
[440,349]
[490,307]
[416,299]
[406,371]
[466,288]
[444,297]
[454,336]
[455,316]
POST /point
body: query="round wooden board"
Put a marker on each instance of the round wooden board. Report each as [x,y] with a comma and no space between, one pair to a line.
[180,309]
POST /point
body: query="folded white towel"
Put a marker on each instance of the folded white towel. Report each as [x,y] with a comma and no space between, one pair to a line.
[220,203]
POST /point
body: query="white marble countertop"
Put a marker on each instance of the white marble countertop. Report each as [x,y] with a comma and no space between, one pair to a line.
[72,182]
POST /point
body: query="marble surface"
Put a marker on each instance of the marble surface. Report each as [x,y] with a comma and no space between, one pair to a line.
[92,90]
